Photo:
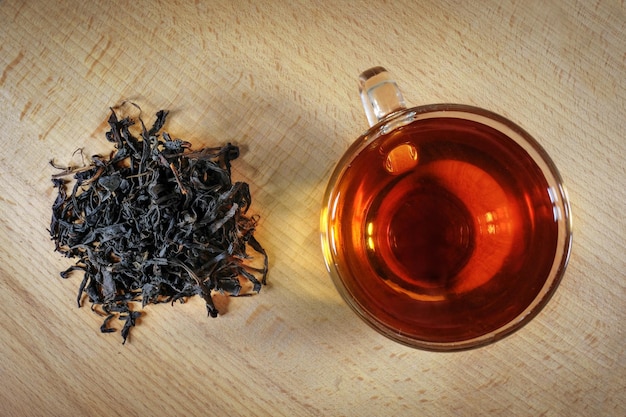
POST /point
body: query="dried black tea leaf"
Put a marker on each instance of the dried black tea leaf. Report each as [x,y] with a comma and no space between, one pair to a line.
[155,222]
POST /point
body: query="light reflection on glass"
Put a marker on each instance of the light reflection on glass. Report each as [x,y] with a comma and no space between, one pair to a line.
[370,236]
[333,211]
[556,211]
[490,218]
[401,159]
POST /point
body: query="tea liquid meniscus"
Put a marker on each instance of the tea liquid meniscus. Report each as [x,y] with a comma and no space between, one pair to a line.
[444,229]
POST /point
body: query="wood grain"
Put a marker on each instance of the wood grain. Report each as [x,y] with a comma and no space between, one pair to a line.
[279,79]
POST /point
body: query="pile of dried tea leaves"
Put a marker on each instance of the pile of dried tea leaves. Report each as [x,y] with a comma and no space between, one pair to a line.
[155,222]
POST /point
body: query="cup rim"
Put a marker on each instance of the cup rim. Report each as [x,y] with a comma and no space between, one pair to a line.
[539,156]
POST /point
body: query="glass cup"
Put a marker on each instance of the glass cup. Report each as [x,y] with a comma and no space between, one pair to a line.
[446,226]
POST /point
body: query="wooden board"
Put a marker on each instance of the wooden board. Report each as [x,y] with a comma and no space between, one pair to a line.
[279,79]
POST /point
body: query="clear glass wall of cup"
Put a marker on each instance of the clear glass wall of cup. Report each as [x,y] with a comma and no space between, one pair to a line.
[445,226]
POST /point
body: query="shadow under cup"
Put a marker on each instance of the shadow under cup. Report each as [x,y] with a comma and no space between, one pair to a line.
[446,227]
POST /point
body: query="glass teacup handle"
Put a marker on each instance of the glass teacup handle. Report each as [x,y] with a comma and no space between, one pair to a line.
[380,94]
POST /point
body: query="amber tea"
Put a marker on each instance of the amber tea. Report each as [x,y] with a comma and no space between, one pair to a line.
[443,229]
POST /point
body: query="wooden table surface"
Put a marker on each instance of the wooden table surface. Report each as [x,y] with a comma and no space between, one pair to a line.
[279,79]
